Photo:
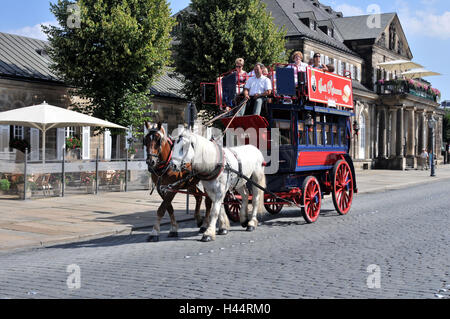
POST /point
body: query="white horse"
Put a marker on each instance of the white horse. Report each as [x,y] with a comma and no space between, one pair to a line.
[211,164]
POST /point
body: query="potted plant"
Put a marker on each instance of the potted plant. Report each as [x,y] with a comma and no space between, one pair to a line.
[88,179]
[73,147]
[4,186]
[119,179]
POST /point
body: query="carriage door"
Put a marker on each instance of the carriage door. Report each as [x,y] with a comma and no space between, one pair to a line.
[282,119]
[362,137]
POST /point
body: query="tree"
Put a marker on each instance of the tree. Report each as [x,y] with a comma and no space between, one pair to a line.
[110,52]
[213,33]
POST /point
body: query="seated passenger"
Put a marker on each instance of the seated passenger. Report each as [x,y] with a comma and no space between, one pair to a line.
[256,89]
[316,63]
[298,65]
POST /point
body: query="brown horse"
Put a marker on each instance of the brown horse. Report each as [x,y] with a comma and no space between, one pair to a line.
[159,153]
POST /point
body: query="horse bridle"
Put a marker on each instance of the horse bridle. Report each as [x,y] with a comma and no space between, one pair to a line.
[160,166]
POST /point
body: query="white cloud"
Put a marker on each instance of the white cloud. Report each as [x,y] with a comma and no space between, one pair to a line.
[33,31]
[349,10]
[424,23]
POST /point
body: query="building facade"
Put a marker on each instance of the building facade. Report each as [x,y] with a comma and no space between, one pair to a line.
[392,116]
[26,79]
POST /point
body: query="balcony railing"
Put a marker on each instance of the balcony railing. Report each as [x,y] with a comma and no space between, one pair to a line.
[407,87]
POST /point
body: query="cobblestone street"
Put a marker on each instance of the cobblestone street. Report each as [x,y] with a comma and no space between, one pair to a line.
[404,232]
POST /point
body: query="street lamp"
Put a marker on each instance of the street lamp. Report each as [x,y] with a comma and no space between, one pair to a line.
[431,125]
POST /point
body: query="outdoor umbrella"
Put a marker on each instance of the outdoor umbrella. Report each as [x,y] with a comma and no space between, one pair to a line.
[399,65]
[45,117]
[419,73]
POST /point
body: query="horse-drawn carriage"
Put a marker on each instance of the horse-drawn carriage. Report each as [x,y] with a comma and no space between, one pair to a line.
[312,115]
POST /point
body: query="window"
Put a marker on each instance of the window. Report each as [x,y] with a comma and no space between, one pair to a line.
[282,121]
[18,132]
[330,32]
[301,133]
[319,130]
[327,129]
[70,131]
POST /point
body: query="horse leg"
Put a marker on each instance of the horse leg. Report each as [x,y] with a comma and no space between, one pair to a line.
[206,220]
[154,235]
[258,198]
[198,203]
[224,222]
[210,233]
[243,191]
[173,233]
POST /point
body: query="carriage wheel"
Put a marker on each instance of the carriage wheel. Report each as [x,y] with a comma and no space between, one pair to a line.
[272,207]
[311,199]
[342,187]
[232,207]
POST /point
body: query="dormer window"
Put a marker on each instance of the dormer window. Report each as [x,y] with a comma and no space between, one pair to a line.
[313,25]
[330,32]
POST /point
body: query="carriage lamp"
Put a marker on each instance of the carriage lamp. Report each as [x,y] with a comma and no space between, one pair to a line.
[309,120]
[356,127]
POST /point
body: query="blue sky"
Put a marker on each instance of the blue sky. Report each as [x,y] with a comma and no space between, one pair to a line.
[425,22]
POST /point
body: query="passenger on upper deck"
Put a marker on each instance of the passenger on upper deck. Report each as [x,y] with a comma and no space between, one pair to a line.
[256,89]
[298,65]
[317,64]
[241,75]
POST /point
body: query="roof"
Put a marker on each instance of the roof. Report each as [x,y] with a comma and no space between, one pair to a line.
[169,84]
[358,86]
[26,59]
[355,28]
[285,14]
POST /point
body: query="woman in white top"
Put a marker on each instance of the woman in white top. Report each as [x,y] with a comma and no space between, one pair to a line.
[298,64]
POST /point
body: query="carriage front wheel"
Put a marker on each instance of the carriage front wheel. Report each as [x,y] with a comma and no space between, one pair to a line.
[342,184]
[232,207]
[311,199]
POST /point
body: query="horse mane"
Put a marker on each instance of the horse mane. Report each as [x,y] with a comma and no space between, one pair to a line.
[205,158]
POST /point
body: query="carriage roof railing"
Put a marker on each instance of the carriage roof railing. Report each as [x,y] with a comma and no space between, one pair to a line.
[228,86]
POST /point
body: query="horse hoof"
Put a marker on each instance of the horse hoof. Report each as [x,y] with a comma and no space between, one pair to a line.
[202,230]
[244,225]
[223,232]
[206,239]
[153,239]
[250,228]
[173,235]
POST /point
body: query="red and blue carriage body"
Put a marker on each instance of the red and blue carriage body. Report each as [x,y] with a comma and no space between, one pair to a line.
[313,119]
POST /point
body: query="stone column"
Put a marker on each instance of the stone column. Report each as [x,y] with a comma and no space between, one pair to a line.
[411,133]
[393,133]
[400,132]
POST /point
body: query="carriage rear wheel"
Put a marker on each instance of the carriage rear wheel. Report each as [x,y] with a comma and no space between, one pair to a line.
[272,207]
[342,187]
[311,199]
[232,207]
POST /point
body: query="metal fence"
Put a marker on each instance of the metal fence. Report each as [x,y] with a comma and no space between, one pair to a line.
[68,177]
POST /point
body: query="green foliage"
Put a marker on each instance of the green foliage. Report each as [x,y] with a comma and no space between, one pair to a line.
[213,33]
[4,185]
[114,56]
[73,142]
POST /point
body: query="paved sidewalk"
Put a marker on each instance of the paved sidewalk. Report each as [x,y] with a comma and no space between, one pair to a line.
[46,222]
